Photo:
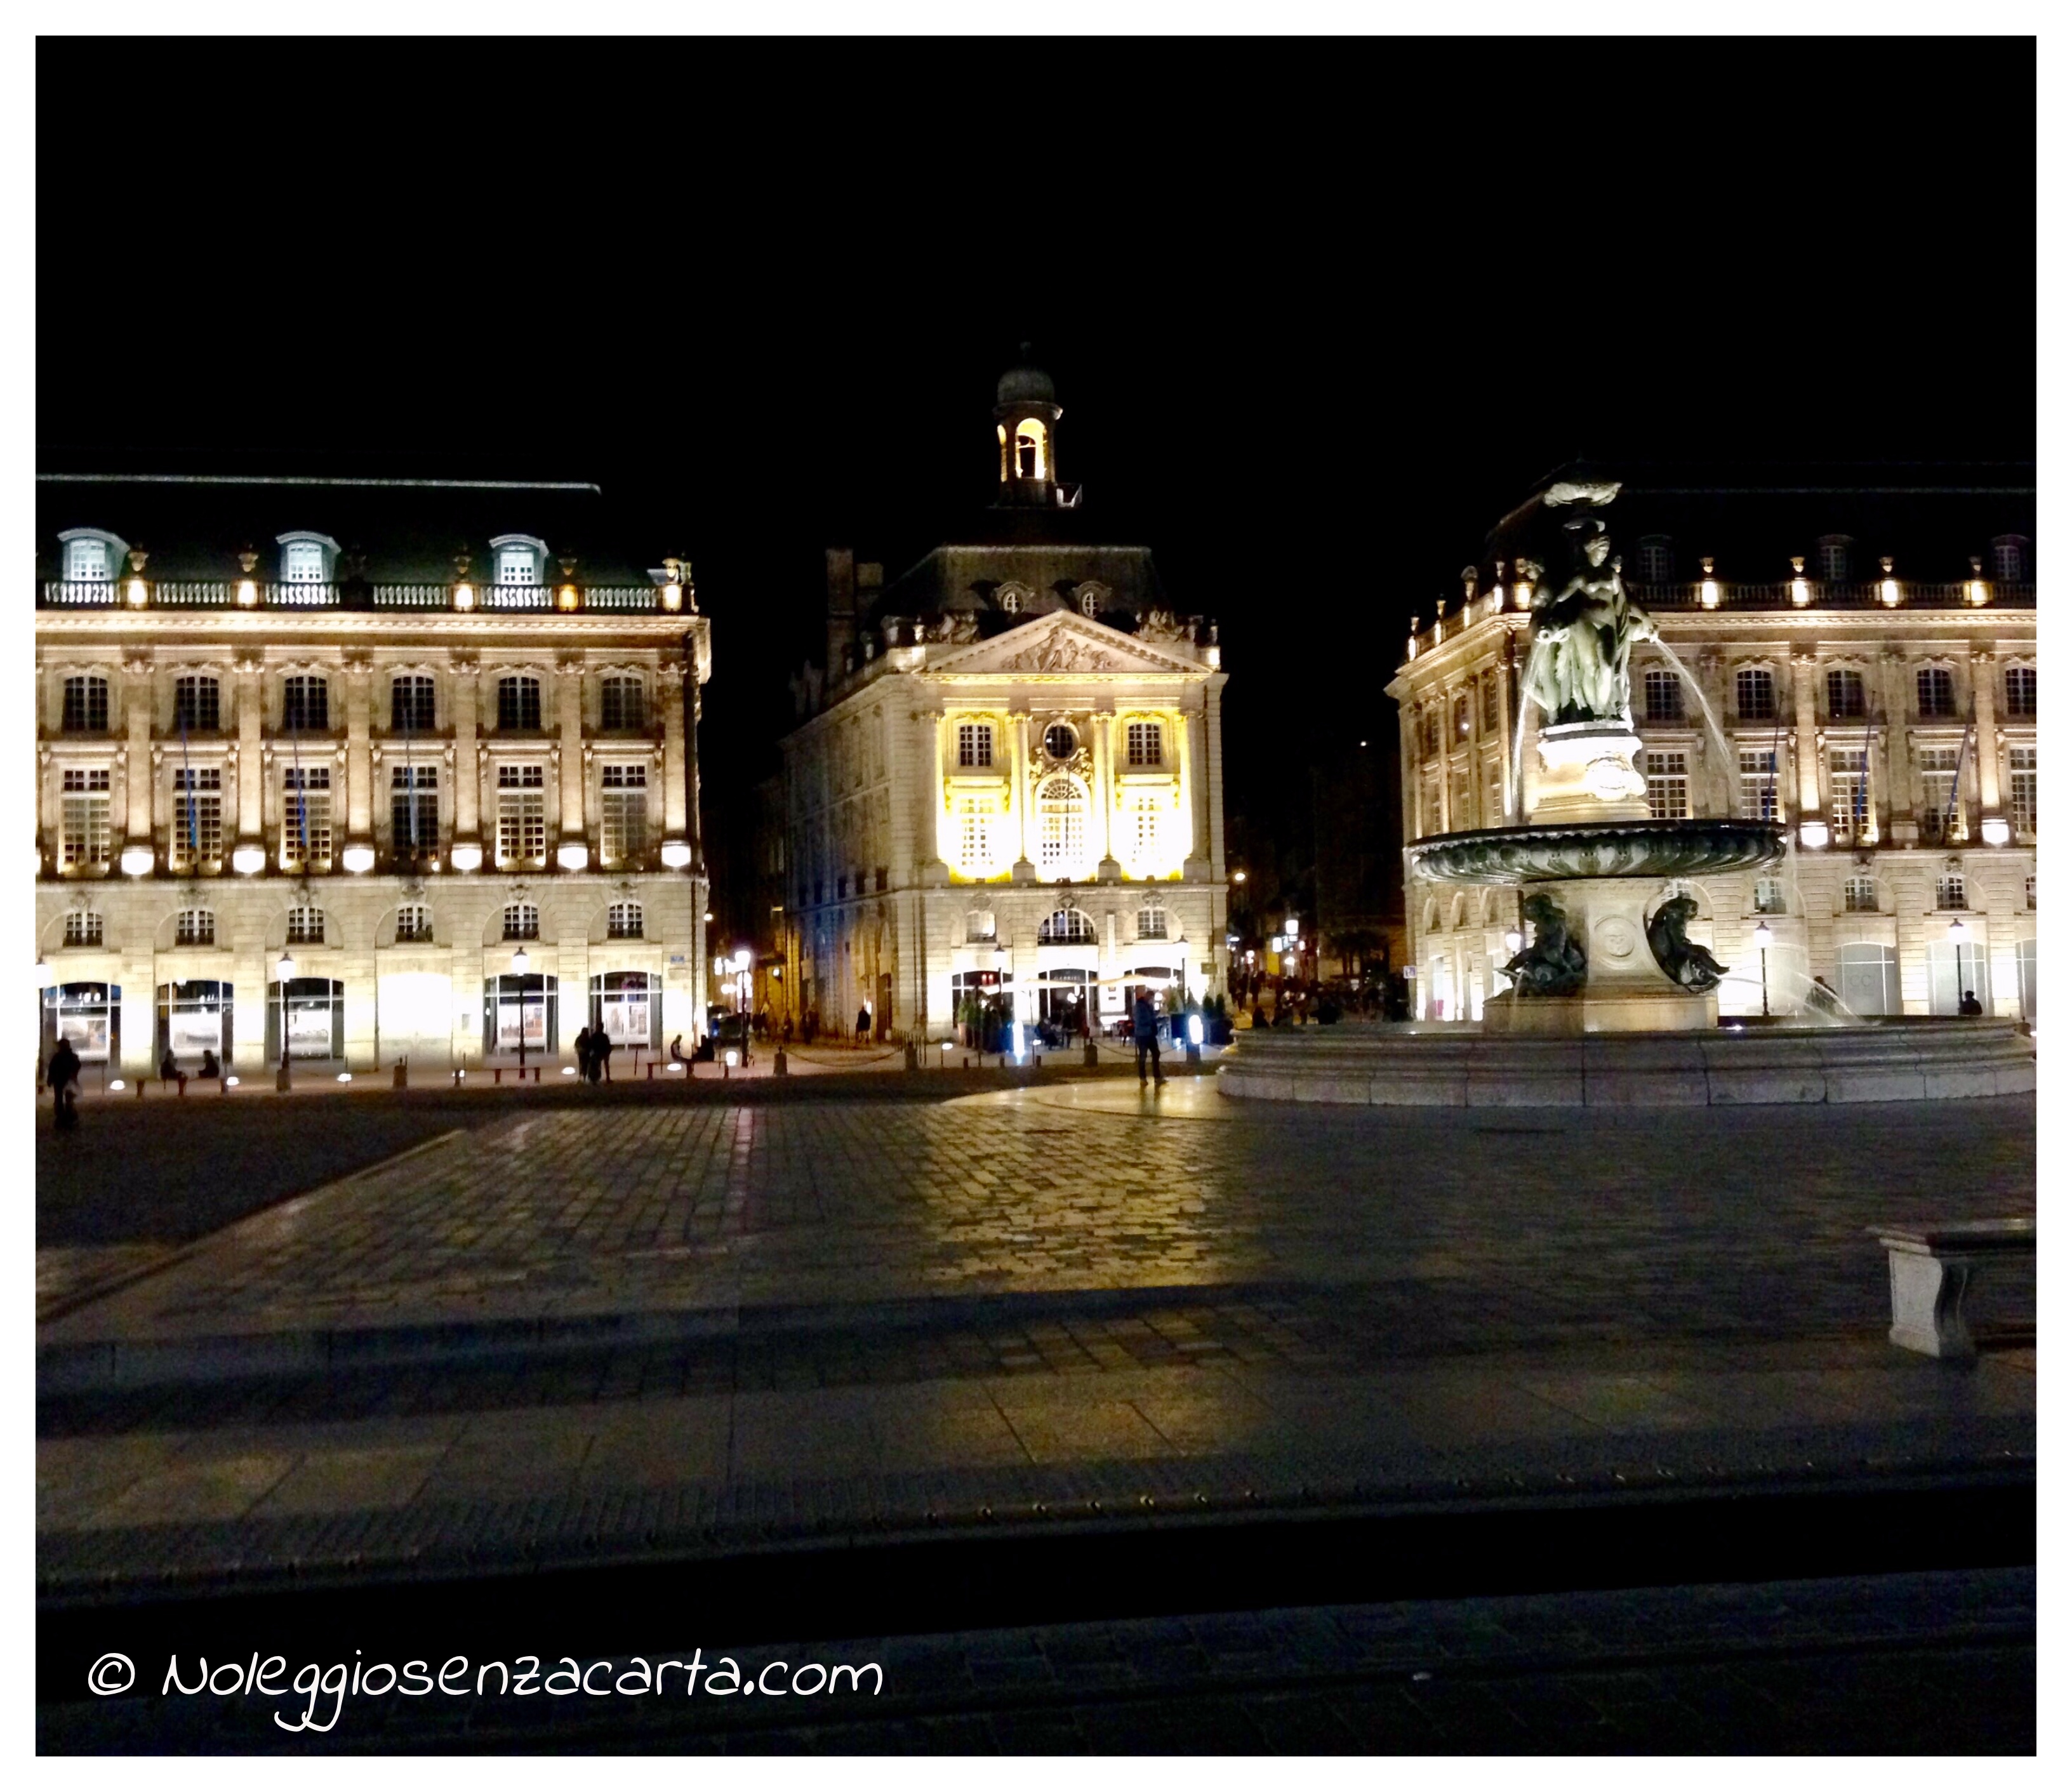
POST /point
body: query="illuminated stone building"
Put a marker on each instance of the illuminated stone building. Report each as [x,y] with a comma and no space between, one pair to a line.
[316,760]
[1008,779]
[1870,656]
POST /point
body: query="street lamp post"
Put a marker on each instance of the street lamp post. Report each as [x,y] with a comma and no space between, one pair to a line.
[521,966]
[1763,937]
[284,973]
[43,975]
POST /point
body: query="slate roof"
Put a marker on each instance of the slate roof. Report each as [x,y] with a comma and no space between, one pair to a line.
[194,525]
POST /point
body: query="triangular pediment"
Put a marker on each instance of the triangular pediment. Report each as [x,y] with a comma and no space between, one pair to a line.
[1061,647]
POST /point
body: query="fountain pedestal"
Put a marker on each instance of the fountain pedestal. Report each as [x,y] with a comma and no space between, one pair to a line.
[1624,990]
[1586,774]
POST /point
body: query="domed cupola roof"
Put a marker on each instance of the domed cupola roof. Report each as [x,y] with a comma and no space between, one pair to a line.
[1025,385]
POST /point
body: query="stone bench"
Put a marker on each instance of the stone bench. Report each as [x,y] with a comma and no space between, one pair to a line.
[1932,1266]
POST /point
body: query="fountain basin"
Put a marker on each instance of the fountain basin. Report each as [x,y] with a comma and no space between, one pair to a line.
[1559,851]
[1440,1064]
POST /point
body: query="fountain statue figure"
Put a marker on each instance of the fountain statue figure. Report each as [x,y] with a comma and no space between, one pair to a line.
[1553,964]
[1584,633]
[1683,961]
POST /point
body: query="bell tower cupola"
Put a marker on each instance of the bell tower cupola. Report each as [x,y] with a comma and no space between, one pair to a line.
[1025,413]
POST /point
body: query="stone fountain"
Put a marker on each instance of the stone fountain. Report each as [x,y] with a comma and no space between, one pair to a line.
[1610,1001]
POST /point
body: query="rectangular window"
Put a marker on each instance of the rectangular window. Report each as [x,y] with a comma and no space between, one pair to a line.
[194,705]
[1147,744]
[1668,786]
[623,834]
[1860,896]
[2021,788]
[623,921]
[975,745]
[1664,697]
[2021,690]
[975,817]
[517,566]
[414,924]
[1845,696]
[413,809]
[86,705]
[306,927]
[305,818]
[1938,783]
[1949,892]
[82,927]
[84,838]
[1770,896]
[411,708]
[1849,793]
[1488,703]
[521,815]
[86,562]
[1755,694]
[625,706]
[1147,827]
[306,704]
[1758,785]
[1935,690]
[197,837]
[195,926]
[518,703]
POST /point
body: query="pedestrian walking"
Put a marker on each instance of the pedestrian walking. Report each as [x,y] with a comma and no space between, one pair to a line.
[1144,1025]
[63,1080]
[600,1054]
[863,1023]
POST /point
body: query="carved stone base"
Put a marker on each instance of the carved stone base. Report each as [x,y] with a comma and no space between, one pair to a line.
[1586,774]
[1625,990]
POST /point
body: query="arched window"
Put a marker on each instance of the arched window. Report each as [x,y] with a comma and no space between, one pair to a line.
[521,921]
[410,705]
[197,704]
[1065,926]
[1664,697]
[623,921]
[1770,896]
[623,704]
[1031,456]
[303,563]
[1061,806]
[1151,922]
[306,703]
[195,927]
[414,924]
[306,926]
[87,560]
[517,563]
[82,927]
[517,702]
[979,926]
[1432,915]
[86,705]
[1860,895]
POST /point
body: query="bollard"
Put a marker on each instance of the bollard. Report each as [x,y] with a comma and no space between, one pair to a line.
[139,1085]
[402,1074]
[913,1056]
[498,1073]
[783,1067]
[1091,1056]
[536,1073]
[651,1071]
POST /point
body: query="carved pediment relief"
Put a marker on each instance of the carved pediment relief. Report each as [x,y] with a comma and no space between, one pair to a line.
[1062,648]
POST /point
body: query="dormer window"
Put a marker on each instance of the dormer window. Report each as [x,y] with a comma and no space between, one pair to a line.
[306,558]
[2011,559]
[1833,551]
[87,561]
[1657,565]
[518,561]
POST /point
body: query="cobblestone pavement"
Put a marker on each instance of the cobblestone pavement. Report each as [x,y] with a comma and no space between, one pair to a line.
[1892,1664]
[1663,1223]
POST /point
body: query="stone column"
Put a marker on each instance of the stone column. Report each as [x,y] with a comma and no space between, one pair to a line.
[1806,701]
[1723,785]
[1899,828]
[468,769]
[1446,701]
[1213,782]
[568,699]
[929,865]
[1505,676]
[1406,768]
[251,763]
[1107,867]
[359,752]
[1017,748]
[136,698]
[675,767]
[1195,793]
[1986,742]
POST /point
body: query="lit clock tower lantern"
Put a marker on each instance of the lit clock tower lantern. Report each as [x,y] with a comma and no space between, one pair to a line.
[1026,413]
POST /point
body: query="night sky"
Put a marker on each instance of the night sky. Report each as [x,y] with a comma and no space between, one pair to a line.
[1317,315]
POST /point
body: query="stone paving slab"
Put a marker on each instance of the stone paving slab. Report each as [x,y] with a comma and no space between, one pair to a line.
[1902,1663]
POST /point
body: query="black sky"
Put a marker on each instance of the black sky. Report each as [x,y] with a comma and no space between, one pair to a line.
[1317,313]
